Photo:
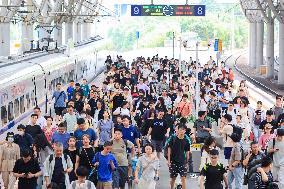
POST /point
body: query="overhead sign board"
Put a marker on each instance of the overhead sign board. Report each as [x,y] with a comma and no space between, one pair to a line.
[168,10]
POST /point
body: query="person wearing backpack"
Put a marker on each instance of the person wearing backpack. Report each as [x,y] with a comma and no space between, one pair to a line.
[119,150]
[236,171]
[57,167]
[178,156]
[251,162]
[276,150]
[202,127]
[81,183]
[226,129]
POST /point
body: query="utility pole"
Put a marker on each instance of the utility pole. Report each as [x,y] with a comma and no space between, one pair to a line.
[174,45]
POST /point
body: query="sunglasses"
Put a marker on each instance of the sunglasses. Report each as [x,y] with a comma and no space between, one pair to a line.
[213,157]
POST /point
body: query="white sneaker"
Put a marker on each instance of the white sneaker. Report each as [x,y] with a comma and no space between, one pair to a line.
[193,176]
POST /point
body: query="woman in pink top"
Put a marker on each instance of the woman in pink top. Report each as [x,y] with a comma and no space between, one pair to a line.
[48,130]
[266,136]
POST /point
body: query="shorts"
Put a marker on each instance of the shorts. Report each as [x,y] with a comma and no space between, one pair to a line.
[120,177]
[176,169]
[227,152]
[59,110]
[104,185]
[158,145]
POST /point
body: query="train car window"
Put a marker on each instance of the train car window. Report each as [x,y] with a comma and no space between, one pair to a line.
[28,100]
[4,115]
[22,104]
[10,111]
[16,107]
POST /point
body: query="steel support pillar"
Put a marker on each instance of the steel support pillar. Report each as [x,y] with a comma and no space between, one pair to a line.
[27,36]
[58,35]
[68,31]
[252,45]
[78,32]
[86,30]
[259,45]
[281,54]
[5,39]
[270,50]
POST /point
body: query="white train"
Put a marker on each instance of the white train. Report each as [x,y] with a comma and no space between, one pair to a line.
[29,83]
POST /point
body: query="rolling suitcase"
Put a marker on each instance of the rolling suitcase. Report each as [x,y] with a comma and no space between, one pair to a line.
[196,156]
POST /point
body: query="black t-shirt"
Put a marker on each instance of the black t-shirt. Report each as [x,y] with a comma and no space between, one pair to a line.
[218,81]
[31,166]
[79,105]
[214,176]
[173,96]
[33,130]
[58,175]
[117,101]
[159,74]
[264,122]
[86,156]
[179,147]
[72,154]
[159,129]
[93,104]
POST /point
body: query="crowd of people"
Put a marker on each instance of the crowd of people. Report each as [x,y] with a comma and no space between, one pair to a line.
[117,134]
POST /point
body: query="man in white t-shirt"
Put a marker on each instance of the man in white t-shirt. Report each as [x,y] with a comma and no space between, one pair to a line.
[41,121]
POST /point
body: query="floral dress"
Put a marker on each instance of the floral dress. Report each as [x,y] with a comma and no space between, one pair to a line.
[48,132]
[148,169]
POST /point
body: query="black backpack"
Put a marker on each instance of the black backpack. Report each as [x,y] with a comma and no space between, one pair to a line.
[51,158]
[238,130]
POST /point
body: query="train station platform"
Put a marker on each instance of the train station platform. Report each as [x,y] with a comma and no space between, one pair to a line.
[256,77]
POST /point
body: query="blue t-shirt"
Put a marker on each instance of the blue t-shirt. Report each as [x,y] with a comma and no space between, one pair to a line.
[104,169]
[25,142]
[79,133]
[130,134]
[62,138]
[222,104]
[70,92]
[60,97]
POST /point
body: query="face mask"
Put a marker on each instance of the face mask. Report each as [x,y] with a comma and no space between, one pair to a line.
[83,115]
[21,133]
[10,139]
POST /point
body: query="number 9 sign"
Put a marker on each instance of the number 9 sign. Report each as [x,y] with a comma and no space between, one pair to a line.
[199,10]
[136,10]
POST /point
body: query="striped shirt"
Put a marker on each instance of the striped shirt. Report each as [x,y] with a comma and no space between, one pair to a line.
[259,184]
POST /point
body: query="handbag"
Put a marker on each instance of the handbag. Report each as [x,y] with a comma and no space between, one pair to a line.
[272,185]
[93,176]
[246,178]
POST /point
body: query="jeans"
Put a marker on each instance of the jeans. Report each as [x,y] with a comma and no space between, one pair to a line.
[236,174]
[256,132]
[39,182]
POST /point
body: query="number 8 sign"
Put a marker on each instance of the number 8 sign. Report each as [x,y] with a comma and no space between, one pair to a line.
[199,10]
